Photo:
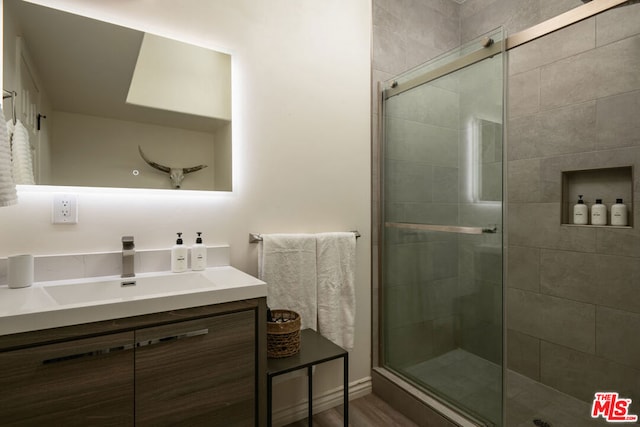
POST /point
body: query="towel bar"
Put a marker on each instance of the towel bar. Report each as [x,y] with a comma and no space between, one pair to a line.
[257,237]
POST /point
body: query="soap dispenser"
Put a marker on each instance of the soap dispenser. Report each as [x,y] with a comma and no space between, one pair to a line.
[198,254]
[598,213]
[580,212]
[619,213]
[179,256]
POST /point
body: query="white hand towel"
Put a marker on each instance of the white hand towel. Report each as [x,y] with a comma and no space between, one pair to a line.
[21,155]
[10,128]
[8,195]
[287,262]
[336,265]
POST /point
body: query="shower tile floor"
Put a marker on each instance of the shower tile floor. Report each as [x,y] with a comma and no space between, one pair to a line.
[476,383]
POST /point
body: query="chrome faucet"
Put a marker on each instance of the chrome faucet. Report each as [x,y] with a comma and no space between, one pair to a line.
[128,253]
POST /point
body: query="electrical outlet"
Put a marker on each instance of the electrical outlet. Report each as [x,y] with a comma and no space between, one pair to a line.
[65,209]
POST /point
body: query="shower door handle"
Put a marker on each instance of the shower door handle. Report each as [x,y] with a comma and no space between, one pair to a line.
[443,228]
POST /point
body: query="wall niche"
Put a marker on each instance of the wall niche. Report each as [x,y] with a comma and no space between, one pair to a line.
[607,184]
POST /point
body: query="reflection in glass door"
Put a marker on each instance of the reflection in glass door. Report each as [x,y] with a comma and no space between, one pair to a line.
[442,284]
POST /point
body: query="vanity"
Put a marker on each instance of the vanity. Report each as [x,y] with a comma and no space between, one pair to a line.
[161,348]
[166,355]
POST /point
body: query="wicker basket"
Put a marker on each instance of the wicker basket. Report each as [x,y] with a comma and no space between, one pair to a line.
[283,338]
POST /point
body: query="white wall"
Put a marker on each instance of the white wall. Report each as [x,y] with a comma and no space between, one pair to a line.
[301,109]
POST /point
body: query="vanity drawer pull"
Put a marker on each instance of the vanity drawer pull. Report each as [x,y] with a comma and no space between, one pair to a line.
[102,351]
[92,353]
[169,338]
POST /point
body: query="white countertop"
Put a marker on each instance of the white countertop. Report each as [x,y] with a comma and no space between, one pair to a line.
[34,308]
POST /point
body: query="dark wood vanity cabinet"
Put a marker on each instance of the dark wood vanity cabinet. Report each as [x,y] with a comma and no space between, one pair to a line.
[204,366]
[83,382]
[197,373]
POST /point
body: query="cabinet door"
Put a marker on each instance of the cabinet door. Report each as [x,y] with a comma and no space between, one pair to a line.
[84,382]
[197,372]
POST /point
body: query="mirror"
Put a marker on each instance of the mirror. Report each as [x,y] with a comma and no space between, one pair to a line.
[487,143]
[97,99]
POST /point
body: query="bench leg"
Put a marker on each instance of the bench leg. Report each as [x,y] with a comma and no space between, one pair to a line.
[269,399]
[310,385]
[346,390]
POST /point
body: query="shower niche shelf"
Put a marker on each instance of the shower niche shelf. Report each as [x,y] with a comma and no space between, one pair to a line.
[607,184]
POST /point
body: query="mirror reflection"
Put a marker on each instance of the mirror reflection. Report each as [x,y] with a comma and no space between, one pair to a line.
[102,105]
[489,167]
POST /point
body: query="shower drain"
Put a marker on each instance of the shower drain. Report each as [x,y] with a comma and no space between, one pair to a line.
[541,423]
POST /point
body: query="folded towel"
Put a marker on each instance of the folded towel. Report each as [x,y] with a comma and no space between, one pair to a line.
[336,266]
[287,262]
[21,155]
[8,195]
[10,127]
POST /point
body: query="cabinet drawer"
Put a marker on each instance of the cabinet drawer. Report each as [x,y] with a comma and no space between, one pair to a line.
[197,372]
[84,382]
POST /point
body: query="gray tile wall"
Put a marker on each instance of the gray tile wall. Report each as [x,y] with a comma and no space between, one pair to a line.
[421,186]
[425,182]
[573,102]
[479,257]
[573,299]
[419,274]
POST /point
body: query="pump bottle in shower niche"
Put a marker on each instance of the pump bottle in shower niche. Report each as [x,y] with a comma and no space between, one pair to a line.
[619,213]
[580,212]
[598,213]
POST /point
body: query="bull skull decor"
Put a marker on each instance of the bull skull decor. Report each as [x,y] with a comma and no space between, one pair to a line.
[175,174]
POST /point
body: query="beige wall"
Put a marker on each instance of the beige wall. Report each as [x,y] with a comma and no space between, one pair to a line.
[301,145]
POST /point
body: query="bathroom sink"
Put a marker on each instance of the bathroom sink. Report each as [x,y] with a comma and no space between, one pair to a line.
[23,299]
[130,288]
[75,301]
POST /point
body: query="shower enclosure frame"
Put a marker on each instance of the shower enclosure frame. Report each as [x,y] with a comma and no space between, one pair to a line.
[413,399]
[381,374]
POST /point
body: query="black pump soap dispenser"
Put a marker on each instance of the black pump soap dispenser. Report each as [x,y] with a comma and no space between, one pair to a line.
[179,256]
[198,254]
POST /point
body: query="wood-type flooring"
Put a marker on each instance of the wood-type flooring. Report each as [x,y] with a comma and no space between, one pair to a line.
[366,411]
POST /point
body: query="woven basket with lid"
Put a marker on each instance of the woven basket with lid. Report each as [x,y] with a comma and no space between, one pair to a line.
[283,334]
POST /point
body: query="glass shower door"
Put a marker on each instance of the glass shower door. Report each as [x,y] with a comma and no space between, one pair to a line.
[441,281]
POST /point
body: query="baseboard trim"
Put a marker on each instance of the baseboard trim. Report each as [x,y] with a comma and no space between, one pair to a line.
[322,402]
